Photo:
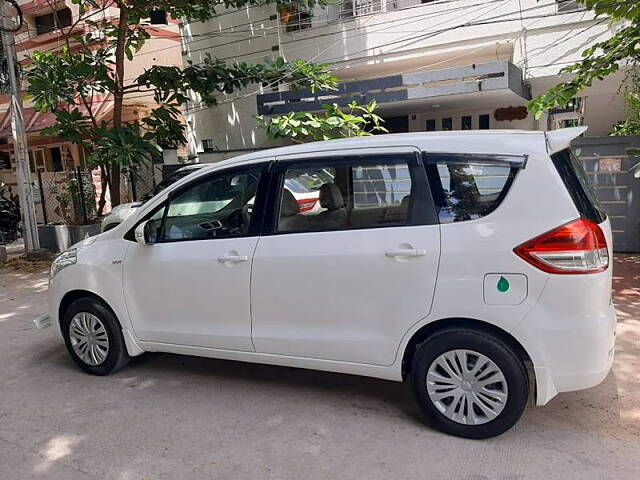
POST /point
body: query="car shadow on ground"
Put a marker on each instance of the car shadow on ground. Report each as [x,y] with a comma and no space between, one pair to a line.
[361,392]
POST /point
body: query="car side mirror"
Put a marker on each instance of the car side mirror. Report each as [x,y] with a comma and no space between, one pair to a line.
[145,233]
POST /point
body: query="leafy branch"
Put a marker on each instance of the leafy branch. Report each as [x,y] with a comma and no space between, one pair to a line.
[334,122]
[599,60]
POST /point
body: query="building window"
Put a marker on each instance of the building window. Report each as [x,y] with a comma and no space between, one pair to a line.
[158,17]
[569,6]
[467,122]
[447,124]
[573,105]
[53,21]
[208,145]
[431,125]
[484,122]
[294,17]
[5,161]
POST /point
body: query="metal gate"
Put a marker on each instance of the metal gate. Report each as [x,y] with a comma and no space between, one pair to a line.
[610,162]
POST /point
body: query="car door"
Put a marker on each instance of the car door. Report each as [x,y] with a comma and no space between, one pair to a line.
[346,282]
[191,287]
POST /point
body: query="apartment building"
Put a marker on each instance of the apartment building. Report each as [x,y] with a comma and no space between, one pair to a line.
[42,30]
[430,64]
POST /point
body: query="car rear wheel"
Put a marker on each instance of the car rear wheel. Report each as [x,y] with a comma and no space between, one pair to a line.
[93,337]
[469,383]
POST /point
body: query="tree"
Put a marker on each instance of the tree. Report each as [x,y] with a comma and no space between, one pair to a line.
[334,122]
[90,69]
[601,59]
[631,124]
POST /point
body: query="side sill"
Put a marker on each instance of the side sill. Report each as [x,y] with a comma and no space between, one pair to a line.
[383,372]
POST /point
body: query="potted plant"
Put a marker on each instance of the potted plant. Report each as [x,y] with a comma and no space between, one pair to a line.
[73,203]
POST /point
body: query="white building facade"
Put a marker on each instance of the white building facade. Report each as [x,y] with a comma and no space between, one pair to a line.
[430,64]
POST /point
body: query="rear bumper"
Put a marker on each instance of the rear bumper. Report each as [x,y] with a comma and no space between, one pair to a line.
[568,353]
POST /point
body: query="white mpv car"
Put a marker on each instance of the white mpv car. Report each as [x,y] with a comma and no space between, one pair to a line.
[474,265]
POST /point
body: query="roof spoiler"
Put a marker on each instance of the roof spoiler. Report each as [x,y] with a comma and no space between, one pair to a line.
[560,139]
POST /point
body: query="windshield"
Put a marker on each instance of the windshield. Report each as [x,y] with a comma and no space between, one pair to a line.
[171,179]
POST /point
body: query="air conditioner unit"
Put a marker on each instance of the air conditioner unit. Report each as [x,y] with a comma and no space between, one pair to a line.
[208,145]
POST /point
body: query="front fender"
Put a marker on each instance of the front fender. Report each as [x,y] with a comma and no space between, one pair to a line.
[98,271]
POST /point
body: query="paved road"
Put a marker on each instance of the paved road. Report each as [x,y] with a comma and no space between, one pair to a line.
[172,417]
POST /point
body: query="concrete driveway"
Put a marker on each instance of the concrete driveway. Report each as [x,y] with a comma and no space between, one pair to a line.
[173,417]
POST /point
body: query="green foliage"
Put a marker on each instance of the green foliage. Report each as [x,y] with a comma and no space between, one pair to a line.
[214,77]
[123,146]
[92,67]
[334,122]
[66,82]
[70,124]
[206,9]
[164,127]
[63,76]
[631,124]
[599,60]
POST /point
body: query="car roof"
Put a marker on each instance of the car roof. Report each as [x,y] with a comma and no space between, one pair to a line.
[505,142]
[488,142]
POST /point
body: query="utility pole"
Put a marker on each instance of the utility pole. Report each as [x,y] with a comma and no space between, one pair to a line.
[21,149]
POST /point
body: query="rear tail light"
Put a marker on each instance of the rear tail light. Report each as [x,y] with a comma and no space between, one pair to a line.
[307,204]
[576,247]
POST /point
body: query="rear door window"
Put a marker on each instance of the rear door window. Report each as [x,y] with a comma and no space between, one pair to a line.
[577,182]
[352,192]
[468,187]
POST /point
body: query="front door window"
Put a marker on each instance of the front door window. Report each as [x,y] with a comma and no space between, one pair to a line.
[216,207]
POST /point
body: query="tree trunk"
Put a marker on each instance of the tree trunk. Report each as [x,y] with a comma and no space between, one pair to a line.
[104,179]
[118,98]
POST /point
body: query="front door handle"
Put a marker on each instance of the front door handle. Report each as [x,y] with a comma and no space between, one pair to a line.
[406,252]
[233,258]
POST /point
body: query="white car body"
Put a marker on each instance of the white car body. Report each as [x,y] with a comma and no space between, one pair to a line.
[335,301]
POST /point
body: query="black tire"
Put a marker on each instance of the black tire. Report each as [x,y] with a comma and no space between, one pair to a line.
[117,356]
[488,345]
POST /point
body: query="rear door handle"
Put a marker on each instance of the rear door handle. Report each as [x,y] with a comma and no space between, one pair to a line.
[233,258]
[406,252]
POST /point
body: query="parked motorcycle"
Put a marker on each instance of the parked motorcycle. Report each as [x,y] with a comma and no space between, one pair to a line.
[9,215]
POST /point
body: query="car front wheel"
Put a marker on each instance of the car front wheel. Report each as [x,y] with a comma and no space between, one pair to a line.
[93,337]
[469,383]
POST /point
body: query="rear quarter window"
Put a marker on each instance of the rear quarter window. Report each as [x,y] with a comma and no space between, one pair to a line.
[468,187]
[578,185]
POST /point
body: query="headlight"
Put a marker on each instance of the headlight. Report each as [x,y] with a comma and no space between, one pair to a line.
[69,257]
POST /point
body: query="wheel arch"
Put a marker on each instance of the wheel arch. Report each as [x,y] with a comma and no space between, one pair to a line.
[73,295]
[133,348]
[426,330]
